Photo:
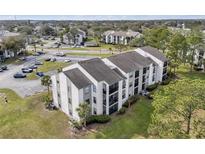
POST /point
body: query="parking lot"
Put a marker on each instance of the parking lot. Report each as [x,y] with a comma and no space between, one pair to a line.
[25,87]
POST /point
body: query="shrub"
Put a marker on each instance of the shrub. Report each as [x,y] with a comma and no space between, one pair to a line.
[133,99]
[152,87]
[122,110]
[98,119]
[198,69]
[149,96]
[75,124]
[166,82]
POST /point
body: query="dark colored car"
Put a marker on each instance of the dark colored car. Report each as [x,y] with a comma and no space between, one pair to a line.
[41,52]
[19,75]
[27,70]
[47,59]
[40,74]
[4,67]
[33,67]
[36,54]
[38,63]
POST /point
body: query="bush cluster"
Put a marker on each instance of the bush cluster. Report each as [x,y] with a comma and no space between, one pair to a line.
[166,82]
[98,119]
[122,110]
[152,87]
[133,99]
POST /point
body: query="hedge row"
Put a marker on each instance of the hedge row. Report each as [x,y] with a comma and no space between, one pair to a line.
[98,119]
[166,82]
[152,87]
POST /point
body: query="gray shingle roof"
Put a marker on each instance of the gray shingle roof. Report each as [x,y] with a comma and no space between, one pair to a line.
[77,78]
[130,61]
[154,52]
[100,71]
[119,73]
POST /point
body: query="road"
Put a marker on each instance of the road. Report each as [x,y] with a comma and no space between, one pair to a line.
[24,87]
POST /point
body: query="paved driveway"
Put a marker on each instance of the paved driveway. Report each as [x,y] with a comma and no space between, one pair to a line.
[25,87]
[22,87]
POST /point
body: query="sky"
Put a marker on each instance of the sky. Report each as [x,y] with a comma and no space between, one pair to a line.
[98,17]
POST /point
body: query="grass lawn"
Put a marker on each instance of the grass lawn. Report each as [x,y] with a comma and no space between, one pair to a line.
[102,47]
[28,118]
[133,124]
[47,66]
[102,55]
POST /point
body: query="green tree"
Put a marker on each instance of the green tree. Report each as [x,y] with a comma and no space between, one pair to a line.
[176,48]
[83,112]
[120,47]
[195,41]
[13,43]
[46,81]
[157,37]
[137,42]
[175,109]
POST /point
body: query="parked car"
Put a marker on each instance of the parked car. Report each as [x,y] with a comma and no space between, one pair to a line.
[67,60]
[33,67]
[41,52]
[23,58]
[4,67]
[40,74]
[48,59]
[60,54]
[27,70]
[36,54]
[1,70]
[53,59]
[38,63]
[19,75]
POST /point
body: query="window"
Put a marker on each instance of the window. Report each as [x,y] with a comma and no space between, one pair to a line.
[113,88]
[94,88]
[136,90]
[131,75]
[123,94]
[143,79]
[130,84]
[69,100]
[113,108]
[87,89]
[88,101]
[70,112]
[143,86]
[94,100]
[136,74]
[113,99]
[153,78]
[144,70]
[136,82]
[94,111]
[123,84]
[154,69]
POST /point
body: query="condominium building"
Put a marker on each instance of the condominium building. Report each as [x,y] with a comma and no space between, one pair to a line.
[119,37]
[107,83]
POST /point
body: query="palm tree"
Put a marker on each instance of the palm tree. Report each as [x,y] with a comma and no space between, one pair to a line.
[83,112]
[46,81]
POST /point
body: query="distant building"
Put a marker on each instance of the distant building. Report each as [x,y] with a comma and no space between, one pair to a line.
[75,37]
[3,35]
[119,37]
[106,84]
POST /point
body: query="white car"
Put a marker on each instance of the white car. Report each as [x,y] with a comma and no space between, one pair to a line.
[67,60]
[60,54]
